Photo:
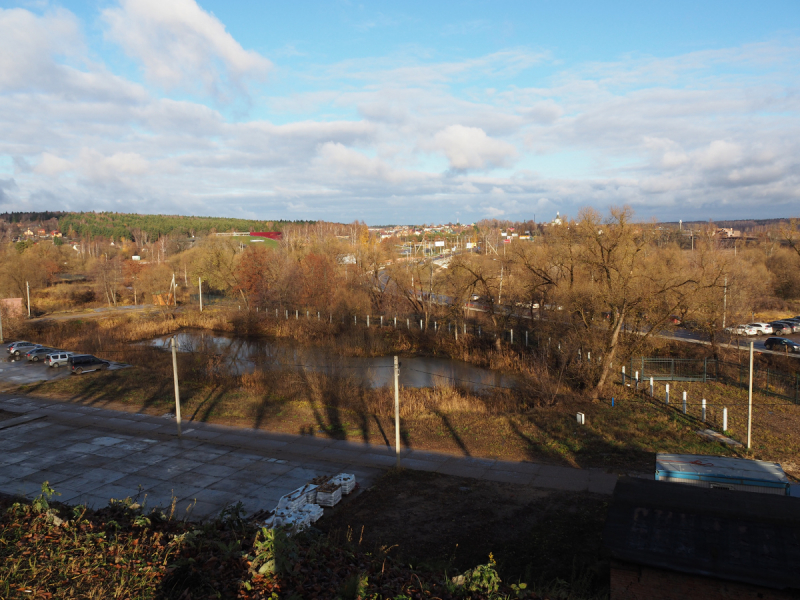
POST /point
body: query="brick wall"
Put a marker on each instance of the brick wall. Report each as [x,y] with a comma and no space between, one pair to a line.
[634,582]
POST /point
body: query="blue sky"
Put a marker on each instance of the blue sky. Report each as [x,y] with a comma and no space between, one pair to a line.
[401,112]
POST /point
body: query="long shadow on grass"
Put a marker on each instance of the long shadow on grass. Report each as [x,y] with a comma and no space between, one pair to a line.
[453,433]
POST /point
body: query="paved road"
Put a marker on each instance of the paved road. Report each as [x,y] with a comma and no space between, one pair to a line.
[91,455]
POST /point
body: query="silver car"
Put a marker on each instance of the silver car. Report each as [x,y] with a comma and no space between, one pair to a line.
[57,359]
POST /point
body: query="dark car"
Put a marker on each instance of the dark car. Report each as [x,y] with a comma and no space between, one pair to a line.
[781,327]
[40,353]
[781,345]
[84,363]
[21,347]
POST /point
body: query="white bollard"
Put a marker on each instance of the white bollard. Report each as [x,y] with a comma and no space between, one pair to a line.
[651,386]
[704,410]
[367,321]
[684,402]
[667,398]
[623,376]
[637,381]
[724,419]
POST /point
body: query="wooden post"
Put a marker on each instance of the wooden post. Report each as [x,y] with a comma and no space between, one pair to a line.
[177,389]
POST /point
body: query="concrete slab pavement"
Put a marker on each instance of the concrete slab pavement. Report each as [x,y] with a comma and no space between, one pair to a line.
[91,455]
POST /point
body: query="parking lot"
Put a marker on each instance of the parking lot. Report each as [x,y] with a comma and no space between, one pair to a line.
[19,371]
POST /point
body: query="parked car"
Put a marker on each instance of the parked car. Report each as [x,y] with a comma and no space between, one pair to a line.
[56,359]
[39,353]
[762,328]
[781,328]
[84,363]
[741,330]
[795,325]
[781,344]
[21,347]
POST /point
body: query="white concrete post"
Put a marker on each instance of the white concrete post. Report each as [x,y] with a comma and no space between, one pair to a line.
[200,290]
[651,386]
[704,410]
[724,419]
[667,398]
[623,375]
[397,409]
[684,402]
[637,381]
[177,389]
[750,400]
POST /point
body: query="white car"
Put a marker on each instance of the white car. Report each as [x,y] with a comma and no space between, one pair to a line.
[762,328]
[741,330]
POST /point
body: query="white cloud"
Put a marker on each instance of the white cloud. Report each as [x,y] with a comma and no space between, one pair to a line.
[179,44]
[52,165]
[471,148]
[389,139]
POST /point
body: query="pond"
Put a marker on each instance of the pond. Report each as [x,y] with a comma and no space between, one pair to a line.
[244,355]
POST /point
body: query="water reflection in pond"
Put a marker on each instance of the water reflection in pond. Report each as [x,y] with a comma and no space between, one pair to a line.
[244,355]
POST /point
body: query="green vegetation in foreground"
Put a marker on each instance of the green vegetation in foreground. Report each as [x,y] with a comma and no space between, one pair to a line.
[56,551]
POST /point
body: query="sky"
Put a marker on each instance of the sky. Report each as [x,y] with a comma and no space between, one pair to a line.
[401,112]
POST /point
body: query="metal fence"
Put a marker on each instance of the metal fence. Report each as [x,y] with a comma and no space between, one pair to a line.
[765,381]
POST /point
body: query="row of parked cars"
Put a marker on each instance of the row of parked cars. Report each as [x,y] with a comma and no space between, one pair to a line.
[780,327]
[53,357]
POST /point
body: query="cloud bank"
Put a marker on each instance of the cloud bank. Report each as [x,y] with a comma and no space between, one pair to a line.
[384,139]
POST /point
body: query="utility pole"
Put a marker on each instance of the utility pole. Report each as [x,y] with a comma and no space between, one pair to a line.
[750,400]
[177,389]
[725,302]
[397,409]
[200,289]
[500,297]
[28,288]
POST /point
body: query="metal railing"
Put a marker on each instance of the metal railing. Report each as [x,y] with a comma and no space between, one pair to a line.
[765,381]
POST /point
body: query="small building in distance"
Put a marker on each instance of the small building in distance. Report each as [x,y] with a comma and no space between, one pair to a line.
[673,541]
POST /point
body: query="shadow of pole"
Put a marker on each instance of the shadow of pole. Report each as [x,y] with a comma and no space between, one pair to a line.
[453,433]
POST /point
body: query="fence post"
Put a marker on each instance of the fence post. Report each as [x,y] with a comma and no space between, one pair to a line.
[684,402]
[704,410]
[672,368]
[667,396]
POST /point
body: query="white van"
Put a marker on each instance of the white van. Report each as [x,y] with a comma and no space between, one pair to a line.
[57,359]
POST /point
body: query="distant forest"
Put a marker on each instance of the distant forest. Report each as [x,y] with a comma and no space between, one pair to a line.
[130,226]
